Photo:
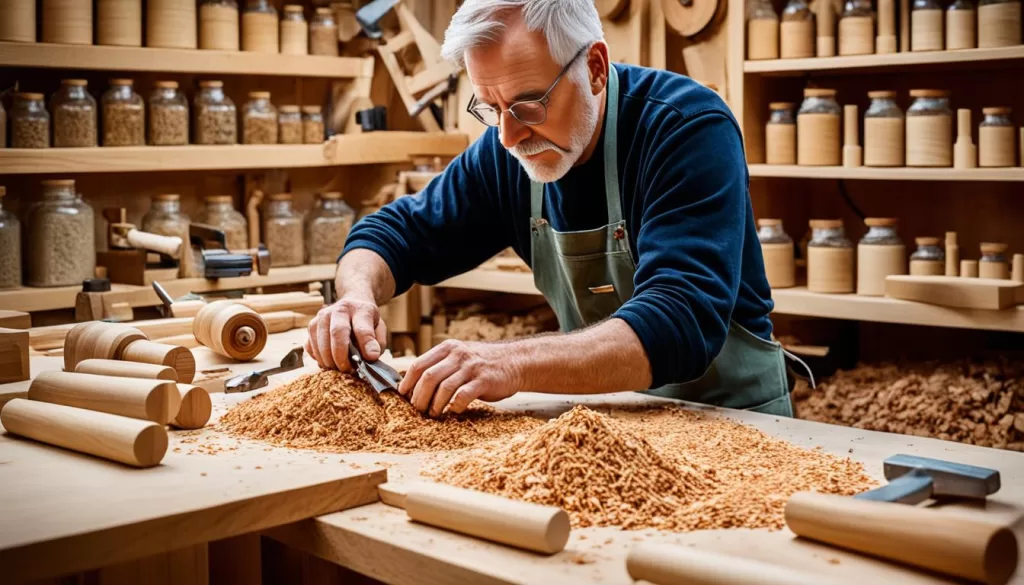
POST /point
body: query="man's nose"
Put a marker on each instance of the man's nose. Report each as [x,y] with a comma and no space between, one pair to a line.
[512,131]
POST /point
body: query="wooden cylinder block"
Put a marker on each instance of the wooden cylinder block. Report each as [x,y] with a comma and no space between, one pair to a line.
[151,352]
[763,39]
[129,441]
[929,141]
[969,268]
[952,255]
[98,340]
[18,21]
[123,369]
[856,35]
[67,22]
[961,27]
[171,24]
[796,39]
[926,268]
[826,29]
[999,25]
[926,30]
[119,23]
[155,400]
[830,270]
[196,407]
[817,140]
[874,263]
[779,264]
[218,27]
[1017,272]
[883,142]
[885,43]
[780,144]
[231,330]
[664,564]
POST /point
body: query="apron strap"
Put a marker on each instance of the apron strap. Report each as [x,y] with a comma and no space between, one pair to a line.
[810,374]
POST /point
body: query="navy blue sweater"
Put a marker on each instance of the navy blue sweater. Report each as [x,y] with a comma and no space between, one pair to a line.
[683,188]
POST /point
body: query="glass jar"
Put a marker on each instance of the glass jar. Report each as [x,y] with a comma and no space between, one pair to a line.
[926,18]
[796,33]
[218,25]
[817,127]
[857,28]
[996,140]
[880,253]
[829,258]
[929,141]
[312,125]
[883,131]
[10,247]
[929,259]
[124,117]
[61,241]
[259,119]
[30,122]
[780,134]
[290,121]
[777,249]
[282,231]
[166,219]
[259,27]
[993,262]
[73,112]
[323,33]
[216,119]
[961,25]
[220,214]
[294,31]
[327,229]
[999,23]
[168,115]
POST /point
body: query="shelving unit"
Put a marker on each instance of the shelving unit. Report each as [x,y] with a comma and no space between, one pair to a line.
[887,63]
[887,174]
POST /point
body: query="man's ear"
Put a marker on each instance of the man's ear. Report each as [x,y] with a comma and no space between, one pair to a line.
[597,64]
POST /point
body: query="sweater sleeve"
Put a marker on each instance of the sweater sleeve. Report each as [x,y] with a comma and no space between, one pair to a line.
[689,246]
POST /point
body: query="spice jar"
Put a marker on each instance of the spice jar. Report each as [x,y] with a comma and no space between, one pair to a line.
[10,247]
[928,259]
[119,23]
[926,25]
[780,134]
[290,121]
[18,21]
[929,129]
[124,116]
[796,31]
[73,112]
[829,258]
[30,122]
[996,139]
[216,119]
[312,125]
[282,231]
[323,33]
[961,23]
[171,24]
[998,23]
[259,119]
[67,22]
[294,31]
[857,28]
[220,214]
[218,25]
[880,253]
[168,115]
[327,229]
[777,249]
[61,244]
[259,27]
[883,131]
[817,128]
[993,261]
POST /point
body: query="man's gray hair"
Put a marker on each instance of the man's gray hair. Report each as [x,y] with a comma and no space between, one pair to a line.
[567,24]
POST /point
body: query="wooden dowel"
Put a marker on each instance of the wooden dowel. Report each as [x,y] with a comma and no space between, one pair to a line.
[174,356]
[665,564]
[99,340]
[123,369]
[1017,272]
[969,268]
[885,42]
[952,255]
[904,26]
[154,400]
[965,153]
[196,407]
[853,154]
[826,29]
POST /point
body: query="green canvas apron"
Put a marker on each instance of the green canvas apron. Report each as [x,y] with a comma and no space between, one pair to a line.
[586,276]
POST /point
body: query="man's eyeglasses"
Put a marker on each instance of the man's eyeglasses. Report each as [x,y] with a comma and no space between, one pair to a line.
[529,112]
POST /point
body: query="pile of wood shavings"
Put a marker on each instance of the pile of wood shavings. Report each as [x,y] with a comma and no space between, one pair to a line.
[664,468]
[472,323]
[331,411]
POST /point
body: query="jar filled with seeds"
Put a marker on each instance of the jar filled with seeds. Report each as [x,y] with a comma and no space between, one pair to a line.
[294,31]
[312,125]
[880,253]
[259,27]
[796,31]
[74,115]
[124,115]
[817,128]
[996,139]
[282,231]
[216,119]
[290,122]
[61,244]
[220,214]
[259,119]
[999,23]
[857,28]
[929,259]
[30,122]
[166,219]
[323,33]
[10,247]
[926,17]
[993,262]
[883,131]
[168,115]
[218,25]
[929,122]
[777,249]
[829,258]
[780,134]
[961,25]
[327,229]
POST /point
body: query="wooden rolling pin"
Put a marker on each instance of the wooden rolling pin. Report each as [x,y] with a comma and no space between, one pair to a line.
[543,529]
[154,400]
[132,442]
[122,369]
[174,356]
[948,542]
[665,564]
[98,340]
[231,330]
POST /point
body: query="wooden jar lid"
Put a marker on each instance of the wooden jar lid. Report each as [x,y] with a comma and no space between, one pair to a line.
[58,183]
[769,222]
[781,106]
[927,241]
[311,109]
[29,95]
[207,84]
[166,84]
[881,221]
[826,224]
[259,95]
[998,111]
[324,10]
[929,93]
[218,198]
[281,197]
[882,94]
[121,81]
[74,82]
[993,248]
[819,92]
[332,195]
[167,197]
[293,8]
[288,109]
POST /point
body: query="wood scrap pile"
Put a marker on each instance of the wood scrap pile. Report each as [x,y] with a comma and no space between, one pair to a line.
[472,323]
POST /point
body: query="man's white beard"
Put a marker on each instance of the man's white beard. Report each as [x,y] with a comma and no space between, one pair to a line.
[578,141]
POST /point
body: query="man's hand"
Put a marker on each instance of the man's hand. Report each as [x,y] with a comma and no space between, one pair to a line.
[333,328]
[455,373]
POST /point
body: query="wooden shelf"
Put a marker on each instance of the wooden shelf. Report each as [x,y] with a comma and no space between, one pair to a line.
[494,281]
[888,174]
[968,57]
[103,58]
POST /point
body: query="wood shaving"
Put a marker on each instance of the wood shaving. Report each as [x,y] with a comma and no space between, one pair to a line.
[471,324]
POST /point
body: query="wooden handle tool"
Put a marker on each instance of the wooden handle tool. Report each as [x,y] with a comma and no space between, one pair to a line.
[231,330]
[154,400]
[196,407]
[853,155]
[174,356]
[543,529]
[168,245]
[132,442]
[123,369]
[965,153]
[99,340]
[665,564]
[948,542]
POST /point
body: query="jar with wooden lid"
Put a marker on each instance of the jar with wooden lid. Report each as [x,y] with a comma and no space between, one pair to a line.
[880,253]
[67,22]
[218,25]
[290,125]
[18,21]
[124,115]
[312,125]
[10,246]
[220,214]
[171,24]
[817,128]
[778,253]
[996,139]
[926,19]
[883,131]
[282,231]
[796,33]
[929,259]
[999,23]
[259,119]
[216,118]
[929,129]
[168,115]
[993,262]
[119,23]
[857,28]
[73,112]
[30,122]
[165,218]
[323,33]
[294,31]
[780,134]
[829,258]
[61,243]
[961,25]
[259,27]
[327,229]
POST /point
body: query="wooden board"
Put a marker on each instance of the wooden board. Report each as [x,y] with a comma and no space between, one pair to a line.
[971,57]
[949,291]
[888,174]
[15,320]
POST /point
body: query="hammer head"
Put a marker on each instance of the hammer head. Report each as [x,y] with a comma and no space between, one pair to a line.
[949,480]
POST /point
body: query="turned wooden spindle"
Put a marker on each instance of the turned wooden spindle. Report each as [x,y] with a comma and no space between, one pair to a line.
[952,255]
[231,330]
[965,153]
[853,154]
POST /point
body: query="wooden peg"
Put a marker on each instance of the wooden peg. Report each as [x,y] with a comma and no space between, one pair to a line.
[1017,273]
[952,255]
[155,400]
[969,268]
[826,29]
[123,369]
[150,352]
[196,407]
[965,153]
[650,562]
[853,154]
[904,26]
[885,42]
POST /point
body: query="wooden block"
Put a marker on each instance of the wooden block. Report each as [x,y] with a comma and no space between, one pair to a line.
[947,291]
[124,266]
[14,363]
[15,320]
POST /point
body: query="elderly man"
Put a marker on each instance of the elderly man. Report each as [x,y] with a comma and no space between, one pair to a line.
[624,188]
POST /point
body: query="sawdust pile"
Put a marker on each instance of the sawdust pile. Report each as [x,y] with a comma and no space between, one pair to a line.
[331,411]
[662,468]
[473,324]
[981,403]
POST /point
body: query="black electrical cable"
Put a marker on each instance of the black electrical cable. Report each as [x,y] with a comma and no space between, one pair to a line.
[849,200]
